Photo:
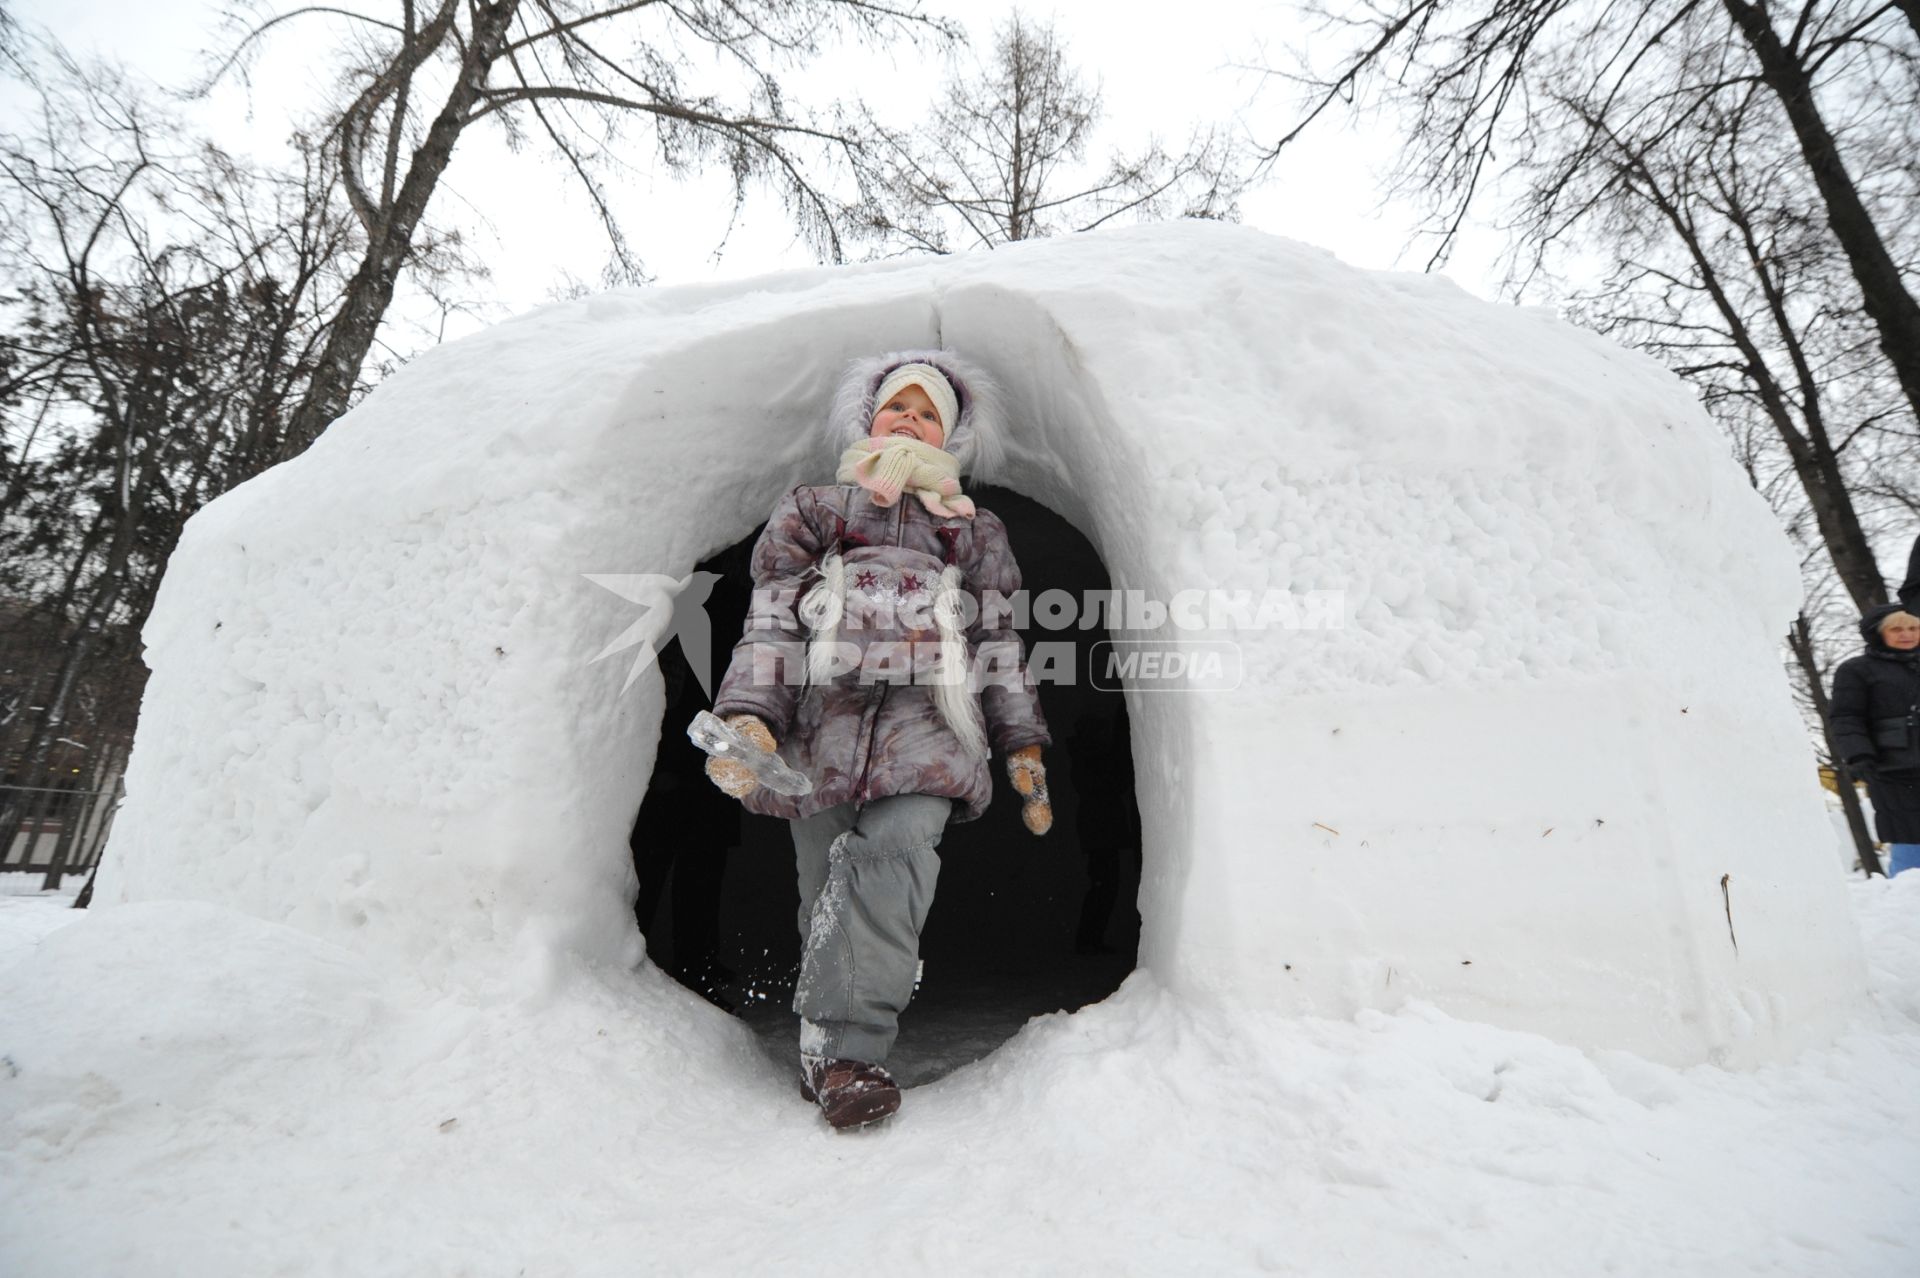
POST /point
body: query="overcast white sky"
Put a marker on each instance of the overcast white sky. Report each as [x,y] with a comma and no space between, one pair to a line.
[1156,74]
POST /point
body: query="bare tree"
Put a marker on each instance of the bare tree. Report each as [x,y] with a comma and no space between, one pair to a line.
[1723,269]
[164,307]
[1815,677]
[1518,86]
[1004,157]
[576,74]
[1659,135]
[1791,68]
[1751,193]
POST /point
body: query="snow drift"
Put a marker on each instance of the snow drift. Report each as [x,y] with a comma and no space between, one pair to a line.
[274,1104]
[1545,772]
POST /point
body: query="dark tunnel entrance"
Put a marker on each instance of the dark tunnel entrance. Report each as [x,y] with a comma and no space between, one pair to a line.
[1020,926]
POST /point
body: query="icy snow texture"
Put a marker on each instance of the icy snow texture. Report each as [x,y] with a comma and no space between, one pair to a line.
[249,1100]
[1548,754]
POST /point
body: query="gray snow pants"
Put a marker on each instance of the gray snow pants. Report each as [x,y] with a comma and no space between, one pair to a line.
[866,883]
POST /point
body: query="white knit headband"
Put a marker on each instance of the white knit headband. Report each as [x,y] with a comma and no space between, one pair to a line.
[933,382]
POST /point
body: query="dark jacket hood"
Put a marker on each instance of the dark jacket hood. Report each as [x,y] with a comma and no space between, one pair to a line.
[1870,628]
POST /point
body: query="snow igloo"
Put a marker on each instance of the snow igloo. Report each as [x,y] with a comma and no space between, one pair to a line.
[1517,742]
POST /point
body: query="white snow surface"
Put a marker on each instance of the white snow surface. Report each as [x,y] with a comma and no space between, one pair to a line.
[1546,775]
[249,1100]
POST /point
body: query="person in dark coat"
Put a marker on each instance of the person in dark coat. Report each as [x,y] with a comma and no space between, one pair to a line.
[1875,717]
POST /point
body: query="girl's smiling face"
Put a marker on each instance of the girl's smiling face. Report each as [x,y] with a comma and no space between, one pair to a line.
[909,414]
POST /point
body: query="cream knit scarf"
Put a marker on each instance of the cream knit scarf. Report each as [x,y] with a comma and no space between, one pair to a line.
[888,467]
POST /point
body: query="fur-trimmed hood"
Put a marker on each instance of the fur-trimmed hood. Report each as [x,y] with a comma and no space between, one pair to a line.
[974,439]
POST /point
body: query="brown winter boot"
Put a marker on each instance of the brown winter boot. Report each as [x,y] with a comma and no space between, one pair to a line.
[849,1093]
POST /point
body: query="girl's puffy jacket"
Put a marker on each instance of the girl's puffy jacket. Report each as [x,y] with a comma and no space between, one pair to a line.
[866,734]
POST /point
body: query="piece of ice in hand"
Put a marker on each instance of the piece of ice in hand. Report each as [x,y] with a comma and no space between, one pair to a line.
[711,733]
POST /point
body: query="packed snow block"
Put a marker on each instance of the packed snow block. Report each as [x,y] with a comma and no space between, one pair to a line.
[1495,718]
[1639,899]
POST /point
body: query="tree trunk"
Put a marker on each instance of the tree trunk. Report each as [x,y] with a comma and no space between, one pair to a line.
[1814,462]
[57,861]
[85,898]
[1912,9]
[1819,469]
[1883,293]
[1840,531]
[79,817]
[113,797]
[370,292]
[1800,639]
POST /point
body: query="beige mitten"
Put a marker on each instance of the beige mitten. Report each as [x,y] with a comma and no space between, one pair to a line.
[1029,777]
[734,778]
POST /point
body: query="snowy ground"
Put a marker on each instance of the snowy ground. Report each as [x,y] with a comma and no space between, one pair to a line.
[274,1107]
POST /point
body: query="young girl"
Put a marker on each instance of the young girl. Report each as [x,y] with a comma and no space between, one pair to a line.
[864,689]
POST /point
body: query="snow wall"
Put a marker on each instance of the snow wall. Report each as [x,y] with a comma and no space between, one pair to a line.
[1544,771]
